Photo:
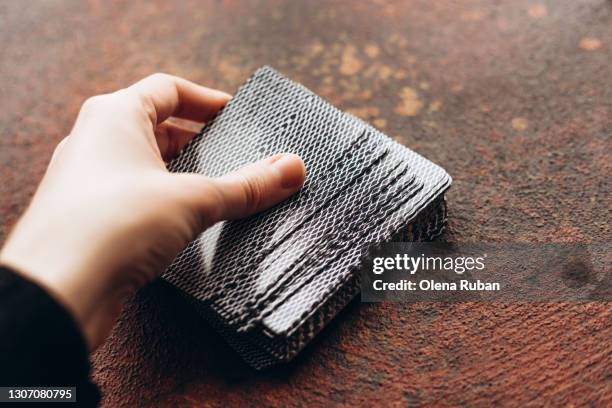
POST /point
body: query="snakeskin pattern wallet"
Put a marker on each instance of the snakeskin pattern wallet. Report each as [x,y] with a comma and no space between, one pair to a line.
[269,283]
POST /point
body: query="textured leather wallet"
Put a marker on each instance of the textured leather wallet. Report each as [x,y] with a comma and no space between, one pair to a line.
[271,282]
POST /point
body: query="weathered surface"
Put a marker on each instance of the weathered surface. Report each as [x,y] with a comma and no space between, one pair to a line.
[513,99]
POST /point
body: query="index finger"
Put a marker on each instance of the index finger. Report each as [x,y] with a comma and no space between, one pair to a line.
[164,95]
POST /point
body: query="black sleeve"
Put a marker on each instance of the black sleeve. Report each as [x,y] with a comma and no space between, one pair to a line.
[40,343]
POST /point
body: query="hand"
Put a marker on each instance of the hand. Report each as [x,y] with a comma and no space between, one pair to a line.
[108,217]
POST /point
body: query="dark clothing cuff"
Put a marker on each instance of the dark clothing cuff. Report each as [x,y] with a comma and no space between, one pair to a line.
[40,342]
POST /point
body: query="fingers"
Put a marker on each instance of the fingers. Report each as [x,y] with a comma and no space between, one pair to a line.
[165,95]
[150,102]
[58,149]
[259,185]
[171,138]
[249,190]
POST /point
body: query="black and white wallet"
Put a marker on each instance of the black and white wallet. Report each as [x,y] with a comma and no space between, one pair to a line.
[269,283]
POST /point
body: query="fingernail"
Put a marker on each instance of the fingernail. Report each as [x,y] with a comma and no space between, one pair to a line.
[291,169]
[225,95]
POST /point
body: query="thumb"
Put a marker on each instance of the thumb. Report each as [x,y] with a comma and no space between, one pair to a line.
[250,189]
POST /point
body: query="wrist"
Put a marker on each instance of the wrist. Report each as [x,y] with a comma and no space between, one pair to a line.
[94,299]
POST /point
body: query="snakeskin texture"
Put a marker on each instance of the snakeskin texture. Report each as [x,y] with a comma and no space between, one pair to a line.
[269,283]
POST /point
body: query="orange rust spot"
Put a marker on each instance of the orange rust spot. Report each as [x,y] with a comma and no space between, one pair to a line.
[520,123]
[380,123]
[371,50]
[316,48]
[367,112]
[435,105]
[299,61]
[400,74]
[325,91]
[410,104]
[537,11]
[590,43]
[456,88]
[349,64]
[384,72]
[371,70]
[568,233]
[472,15]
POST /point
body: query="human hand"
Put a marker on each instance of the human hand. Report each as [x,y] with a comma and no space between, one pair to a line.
[108,217]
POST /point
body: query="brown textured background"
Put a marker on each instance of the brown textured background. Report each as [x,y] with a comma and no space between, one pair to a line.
[513,98]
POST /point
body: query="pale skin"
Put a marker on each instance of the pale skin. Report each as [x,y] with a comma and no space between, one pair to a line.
[108,217]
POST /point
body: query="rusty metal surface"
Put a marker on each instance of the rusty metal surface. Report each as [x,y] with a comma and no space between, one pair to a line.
[513,98]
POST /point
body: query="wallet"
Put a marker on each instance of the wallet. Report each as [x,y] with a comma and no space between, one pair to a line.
[270,282]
